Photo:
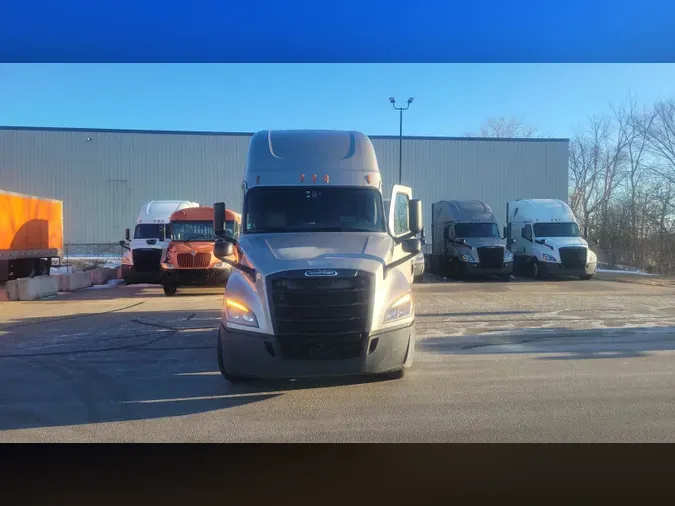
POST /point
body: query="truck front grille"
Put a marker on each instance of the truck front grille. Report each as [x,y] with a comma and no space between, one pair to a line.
[146,260]
[573,258]
[321,317]
[198,261]
[491,257]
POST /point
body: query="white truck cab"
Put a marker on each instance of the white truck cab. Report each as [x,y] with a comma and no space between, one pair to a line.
[544,237]
[141,261]
[323,284]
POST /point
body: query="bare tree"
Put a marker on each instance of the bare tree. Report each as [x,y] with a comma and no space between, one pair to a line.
[661,138]
[501,127]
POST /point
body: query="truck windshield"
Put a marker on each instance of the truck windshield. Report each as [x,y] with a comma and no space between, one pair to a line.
[198,230]
[556,230]
[476,230]
[149,231]
[331,209]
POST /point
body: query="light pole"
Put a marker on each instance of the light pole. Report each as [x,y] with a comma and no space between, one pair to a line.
[400,134]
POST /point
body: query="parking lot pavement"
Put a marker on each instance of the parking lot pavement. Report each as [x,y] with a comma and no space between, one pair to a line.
[520,361]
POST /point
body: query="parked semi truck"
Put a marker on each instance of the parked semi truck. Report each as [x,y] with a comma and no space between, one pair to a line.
[323,283]
[31,235]
[140,263]
[466,241]
[546,241]
[189,258]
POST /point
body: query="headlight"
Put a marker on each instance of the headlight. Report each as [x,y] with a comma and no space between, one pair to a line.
[126,260]
[238,313]
[549,258]
[467,258]
[401,308]
[167,266]
[221,265]
[592,257]
[508,256]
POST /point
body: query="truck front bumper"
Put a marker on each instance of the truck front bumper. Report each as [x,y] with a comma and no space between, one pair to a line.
[254,355]
[474,269]
[551,269]
[195,277]
[131,276]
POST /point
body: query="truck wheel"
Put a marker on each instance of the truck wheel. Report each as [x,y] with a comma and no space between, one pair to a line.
[221,364]
[43,267]
[418,279]
[505,277]
[170,290]
[456,270]
[535,271]
[586,277]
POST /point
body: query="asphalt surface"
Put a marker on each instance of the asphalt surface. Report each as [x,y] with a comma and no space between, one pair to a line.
[521,361]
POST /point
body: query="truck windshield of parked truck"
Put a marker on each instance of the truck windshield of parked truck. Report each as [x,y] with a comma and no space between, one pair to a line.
[149,231]
[556,230]
[198,230]
[314,209]
[465,230]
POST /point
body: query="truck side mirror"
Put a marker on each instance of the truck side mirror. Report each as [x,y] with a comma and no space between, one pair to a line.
[412,246]
[415,216]
[127,234]
[219,218]
[223,249]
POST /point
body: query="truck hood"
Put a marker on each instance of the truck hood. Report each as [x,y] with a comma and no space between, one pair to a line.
[478,242]
[269,253]
[561,242]
[147,244]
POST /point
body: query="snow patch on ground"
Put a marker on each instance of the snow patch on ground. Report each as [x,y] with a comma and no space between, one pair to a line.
[616,271]
[110,284]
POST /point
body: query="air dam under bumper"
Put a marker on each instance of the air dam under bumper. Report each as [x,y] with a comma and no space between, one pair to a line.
[254,355]
[474,269]
[551,269]
[195,277]
[131,276]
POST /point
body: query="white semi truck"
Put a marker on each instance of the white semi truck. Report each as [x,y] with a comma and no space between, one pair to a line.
[141,261]
[544,236]
[323,284]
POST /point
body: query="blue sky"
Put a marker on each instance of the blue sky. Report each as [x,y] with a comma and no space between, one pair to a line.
[450,99]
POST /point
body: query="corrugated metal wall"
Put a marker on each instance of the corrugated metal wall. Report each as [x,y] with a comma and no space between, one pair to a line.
[104,177]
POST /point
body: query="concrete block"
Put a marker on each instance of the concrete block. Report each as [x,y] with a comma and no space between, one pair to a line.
[12,288]
[102,276]
[74,281]
[37,287]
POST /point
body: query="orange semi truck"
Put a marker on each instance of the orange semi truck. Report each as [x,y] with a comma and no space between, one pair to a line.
[189,258]
[31,235]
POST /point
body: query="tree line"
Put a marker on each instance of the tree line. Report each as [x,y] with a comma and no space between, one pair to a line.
[621,181]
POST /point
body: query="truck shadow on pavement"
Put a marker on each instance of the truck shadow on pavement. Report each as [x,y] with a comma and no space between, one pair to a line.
[121,367]
[558,343]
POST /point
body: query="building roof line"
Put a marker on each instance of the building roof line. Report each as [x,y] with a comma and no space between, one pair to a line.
[250,134]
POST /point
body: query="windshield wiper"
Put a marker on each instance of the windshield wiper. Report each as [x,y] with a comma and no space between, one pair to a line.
[206,236]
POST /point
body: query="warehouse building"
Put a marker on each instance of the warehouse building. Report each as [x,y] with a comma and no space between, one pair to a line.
[104,176]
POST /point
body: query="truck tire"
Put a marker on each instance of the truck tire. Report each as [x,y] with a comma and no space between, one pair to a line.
[169,290]
[43,267]
[232,378]
[505,277]
[418,279]
[535,270]
[586,277]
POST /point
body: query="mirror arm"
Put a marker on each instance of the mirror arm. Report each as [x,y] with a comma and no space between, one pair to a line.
[396,263]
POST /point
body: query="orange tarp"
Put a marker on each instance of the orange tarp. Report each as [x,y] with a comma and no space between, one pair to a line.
[30,223]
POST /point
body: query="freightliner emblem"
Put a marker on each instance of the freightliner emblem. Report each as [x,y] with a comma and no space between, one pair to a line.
[323,273]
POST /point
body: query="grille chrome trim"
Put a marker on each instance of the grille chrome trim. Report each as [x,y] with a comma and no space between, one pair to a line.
[193,261]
